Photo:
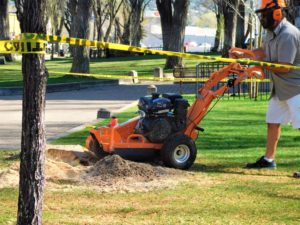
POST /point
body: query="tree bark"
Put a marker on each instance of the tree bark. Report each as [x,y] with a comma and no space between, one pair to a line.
[31,14]
[240,30]
[173,16]
[220,20]
[69,20]
[136,20]
[4,20]
[4,25]
[81,29]
[230,9]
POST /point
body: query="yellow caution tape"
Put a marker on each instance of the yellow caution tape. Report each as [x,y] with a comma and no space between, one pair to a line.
[146,78]
[121,47]
[151,78]
[27,46]
[33,43]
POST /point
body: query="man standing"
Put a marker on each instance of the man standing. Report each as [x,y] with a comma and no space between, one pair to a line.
[281,45]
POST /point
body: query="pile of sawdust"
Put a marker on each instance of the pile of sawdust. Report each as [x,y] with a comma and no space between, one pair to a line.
[114,167]
[111,173]
[119,173]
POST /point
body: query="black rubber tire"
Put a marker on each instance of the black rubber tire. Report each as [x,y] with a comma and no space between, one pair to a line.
[96,148]
[177,145]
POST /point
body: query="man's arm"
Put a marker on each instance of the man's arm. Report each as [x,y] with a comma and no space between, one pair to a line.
[278,70]
[256,54]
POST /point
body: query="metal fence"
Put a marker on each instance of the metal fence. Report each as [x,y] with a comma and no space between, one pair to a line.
[248,89]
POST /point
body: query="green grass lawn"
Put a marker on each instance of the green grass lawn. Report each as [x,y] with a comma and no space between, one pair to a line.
[221,192]
[10,74]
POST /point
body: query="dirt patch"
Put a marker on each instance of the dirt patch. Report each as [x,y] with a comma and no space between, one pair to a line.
[9,177]
[77,168]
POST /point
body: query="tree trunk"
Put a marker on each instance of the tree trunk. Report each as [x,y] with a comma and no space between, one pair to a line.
[81,29]
[173,16]
[31,14]
[4,20]
[70,22]
[136,20]
[58,32]
[230,21]
[240,30]
[216,47]
[250,27]
[4,25]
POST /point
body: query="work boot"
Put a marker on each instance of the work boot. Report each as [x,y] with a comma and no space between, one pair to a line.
[296,175]
[261,163]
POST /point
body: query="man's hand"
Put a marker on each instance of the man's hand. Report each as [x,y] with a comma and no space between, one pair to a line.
[256,54]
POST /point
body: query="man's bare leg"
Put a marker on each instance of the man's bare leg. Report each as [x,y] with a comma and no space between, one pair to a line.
[273,135]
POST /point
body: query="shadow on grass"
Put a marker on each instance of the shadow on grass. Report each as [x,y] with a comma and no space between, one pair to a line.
[111,59]
[237,164]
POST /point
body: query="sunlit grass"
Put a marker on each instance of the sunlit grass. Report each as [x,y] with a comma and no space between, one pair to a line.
[11,74]
[220,192]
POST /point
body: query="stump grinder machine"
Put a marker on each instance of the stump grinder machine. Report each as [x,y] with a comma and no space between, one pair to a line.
[167,125]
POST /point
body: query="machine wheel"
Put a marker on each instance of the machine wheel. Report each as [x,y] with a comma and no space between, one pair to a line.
[96,148]
[179,152]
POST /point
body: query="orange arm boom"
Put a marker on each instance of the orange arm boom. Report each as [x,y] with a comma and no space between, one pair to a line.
[205,94]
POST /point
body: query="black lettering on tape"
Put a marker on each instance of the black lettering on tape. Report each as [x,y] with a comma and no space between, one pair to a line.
[22,47]
[28,45]
[38,47]
[16,46]
[51,39]
[58,38]
[8,46]
[77,41]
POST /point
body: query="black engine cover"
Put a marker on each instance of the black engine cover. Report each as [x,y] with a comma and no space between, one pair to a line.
[162,116]
[155,129]
[154,106]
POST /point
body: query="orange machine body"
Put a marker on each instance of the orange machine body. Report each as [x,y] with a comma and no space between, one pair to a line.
[123,139]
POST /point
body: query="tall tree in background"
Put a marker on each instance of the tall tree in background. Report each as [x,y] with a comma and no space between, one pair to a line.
[250,24]
[217,7]
[4,20]
[81,13]
[230,9]
[105,11]
[70,8]
[173,16]
[101,12]
[129,27]
[133,29]
[32,17]
[113,9]
[240,29]
[4,25]
[56,14]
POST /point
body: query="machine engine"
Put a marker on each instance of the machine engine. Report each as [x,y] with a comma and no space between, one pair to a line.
[161,116]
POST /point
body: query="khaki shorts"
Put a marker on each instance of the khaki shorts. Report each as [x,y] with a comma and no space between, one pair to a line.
[284,112]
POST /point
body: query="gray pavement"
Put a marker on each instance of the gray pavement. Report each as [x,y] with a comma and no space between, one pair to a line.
[66,111]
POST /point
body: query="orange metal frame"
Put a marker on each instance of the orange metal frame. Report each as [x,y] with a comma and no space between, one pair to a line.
[123,136]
